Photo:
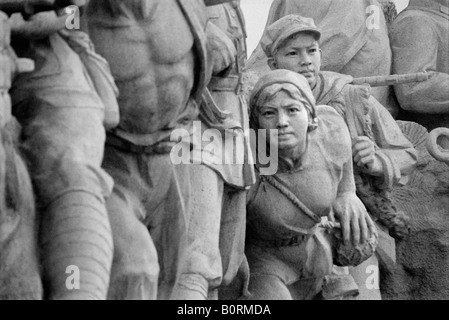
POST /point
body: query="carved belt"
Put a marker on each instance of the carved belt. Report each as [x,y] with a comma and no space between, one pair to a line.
[162,147]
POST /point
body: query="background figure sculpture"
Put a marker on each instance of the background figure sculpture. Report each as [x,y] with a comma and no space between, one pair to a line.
[63,120]
[19,260]
[420,42]
[217,225]
[354,41]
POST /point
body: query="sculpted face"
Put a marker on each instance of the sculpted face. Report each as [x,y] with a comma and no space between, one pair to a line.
[300,54]
[289,117]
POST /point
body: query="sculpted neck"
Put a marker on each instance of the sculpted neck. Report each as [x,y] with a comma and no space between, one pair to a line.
[292,158]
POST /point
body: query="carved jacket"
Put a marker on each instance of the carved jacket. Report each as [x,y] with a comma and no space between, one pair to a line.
[420,42]
[226,92]
[365,116]
[292,245]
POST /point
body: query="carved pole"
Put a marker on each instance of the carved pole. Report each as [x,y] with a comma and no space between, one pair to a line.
[437,147]
[215,2]
[393,79]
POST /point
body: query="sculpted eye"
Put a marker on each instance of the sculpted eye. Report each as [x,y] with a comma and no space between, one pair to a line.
[268,113]
[294,109]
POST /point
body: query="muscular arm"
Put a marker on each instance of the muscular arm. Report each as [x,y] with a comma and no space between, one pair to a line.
[415,47]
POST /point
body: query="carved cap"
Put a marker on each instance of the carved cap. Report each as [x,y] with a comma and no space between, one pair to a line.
[276,33]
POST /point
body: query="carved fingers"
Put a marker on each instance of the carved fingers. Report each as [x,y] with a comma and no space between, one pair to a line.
[364,155]
[357,226]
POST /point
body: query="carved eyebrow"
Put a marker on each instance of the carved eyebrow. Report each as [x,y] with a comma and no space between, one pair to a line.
[283,106]
[292,105]
[313,45]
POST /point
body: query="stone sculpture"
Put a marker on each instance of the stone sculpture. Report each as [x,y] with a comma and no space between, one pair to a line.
[420,43]
[63,133]
[20,277]
[177,231]
[383,156]
[161,77]
[217,226]
[288,253]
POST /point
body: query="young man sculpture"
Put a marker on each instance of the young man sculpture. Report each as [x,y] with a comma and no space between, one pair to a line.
[354,38]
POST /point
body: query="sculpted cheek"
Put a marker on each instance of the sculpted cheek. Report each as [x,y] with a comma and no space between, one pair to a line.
[265,123]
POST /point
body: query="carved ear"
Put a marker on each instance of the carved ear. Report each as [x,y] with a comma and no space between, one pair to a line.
[313,124]
[272,63]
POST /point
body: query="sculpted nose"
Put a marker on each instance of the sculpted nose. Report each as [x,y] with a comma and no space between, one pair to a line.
[282,120]
[305,60]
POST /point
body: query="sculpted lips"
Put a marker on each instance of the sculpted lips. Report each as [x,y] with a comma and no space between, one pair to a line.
[284,134]
[307,73]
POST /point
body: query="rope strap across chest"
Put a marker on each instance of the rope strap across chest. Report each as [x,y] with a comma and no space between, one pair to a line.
[272,180]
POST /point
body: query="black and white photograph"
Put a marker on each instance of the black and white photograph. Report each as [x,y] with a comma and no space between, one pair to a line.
[224,154]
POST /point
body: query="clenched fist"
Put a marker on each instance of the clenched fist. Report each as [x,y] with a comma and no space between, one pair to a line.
[364,154]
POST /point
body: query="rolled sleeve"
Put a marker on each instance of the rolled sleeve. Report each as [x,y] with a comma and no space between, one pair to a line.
[416,47]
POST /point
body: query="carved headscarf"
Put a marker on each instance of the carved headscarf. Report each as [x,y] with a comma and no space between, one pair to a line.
[275,81]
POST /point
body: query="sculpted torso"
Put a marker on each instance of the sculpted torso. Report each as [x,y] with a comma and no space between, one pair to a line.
[149,45]
[317,184]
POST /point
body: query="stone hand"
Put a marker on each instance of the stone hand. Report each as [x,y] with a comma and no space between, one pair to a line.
[364,154]
[356,224]
[221,50]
